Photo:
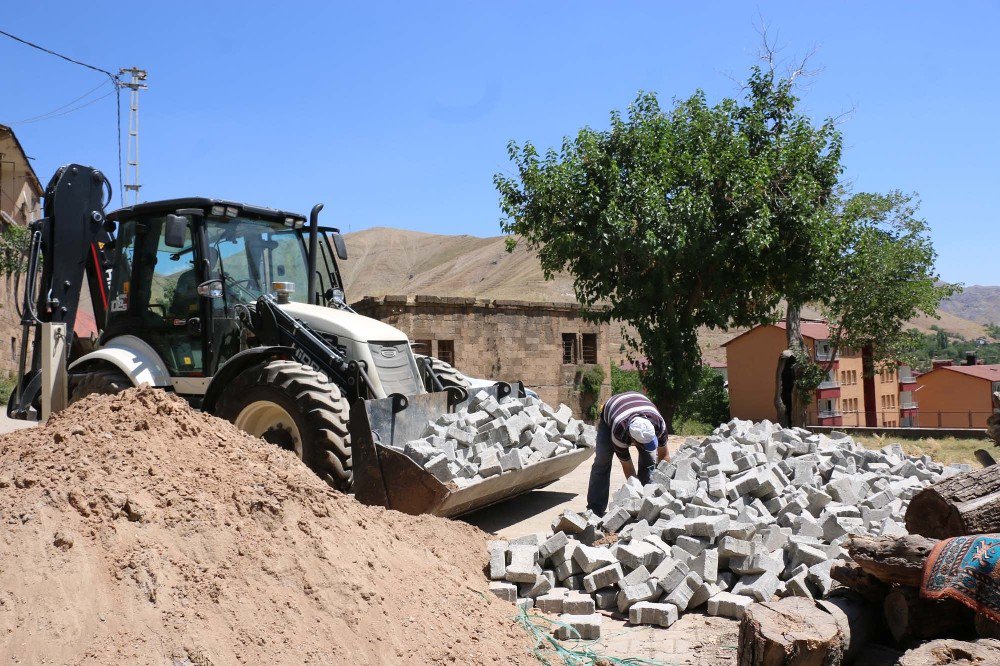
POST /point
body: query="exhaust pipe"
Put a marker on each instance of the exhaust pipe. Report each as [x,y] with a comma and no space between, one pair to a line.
[313,251]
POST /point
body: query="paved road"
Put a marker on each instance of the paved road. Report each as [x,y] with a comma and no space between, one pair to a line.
[10,425]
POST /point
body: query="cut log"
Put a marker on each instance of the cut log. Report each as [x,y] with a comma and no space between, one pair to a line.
[967,503]
[909,617]
[891,559]
[948,651]
[858,620]
[852,576]
[790,632]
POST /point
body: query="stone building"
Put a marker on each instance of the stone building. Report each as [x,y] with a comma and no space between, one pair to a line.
[20,204]
[548,346]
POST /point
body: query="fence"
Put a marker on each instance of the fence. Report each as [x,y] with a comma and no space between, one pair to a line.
[896,419]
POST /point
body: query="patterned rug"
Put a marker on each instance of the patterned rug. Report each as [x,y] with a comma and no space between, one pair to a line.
[967,569]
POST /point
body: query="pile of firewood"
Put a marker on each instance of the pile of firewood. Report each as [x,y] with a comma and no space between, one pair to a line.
[877,616]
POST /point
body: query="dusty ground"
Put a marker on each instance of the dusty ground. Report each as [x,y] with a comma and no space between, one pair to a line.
[694,639]
[139,531]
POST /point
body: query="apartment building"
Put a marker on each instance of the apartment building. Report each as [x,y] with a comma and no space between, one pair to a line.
[845,398]
[956,396]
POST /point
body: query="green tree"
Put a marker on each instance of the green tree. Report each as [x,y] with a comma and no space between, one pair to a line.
[708,403]
[993,330]
[884,278]
[664,218]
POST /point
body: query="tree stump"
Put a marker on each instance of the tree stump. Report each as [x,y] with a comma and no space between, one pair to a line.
[948,651]
[857,620]
[891,559]
[789,632]
[909,617]
[963,504]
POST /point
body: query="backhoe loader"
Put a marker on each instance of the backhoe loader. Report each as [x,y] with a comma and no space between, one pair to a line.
[203,297]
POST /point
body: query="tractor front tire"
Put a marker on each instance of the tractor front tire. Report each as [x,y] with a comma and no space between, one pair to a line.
[447,373]
[297,408]
[100,382]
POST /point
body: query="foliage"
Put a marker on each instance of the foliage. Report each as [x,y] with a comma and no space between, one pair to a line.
[708,403]
[671,218]
[944,345]
[7,384]
[885,277]
[590,388]
[14,242]
[993,330]
[809,375]
[691,428]
[625,380]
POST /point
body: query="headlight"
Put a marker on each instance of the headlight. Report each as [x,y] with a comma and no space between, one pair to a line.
[337,296]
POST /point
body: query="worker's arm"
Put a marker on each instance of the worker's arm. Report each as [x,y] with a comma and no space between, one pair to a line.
[661,453]
[627,467]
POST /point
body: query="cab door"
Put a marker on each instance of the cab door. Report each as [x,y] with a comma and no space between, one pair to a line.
[154,294]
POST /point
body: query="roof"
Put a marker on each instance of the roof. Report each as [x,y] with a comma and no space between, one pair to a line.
[30,173]
[814,330]
[171,205]
[988,372]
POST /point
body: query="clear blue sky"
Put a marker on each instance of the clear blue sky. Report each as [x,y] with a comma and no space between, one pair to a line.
[398,114]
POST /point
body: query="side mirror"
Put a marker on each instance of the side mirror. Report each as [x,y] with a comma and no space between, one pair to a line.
[210,289]
[175,231]
[338,242]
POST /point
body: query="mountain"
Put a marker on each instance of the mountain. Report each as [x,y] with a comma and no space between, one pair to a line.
[396,261]
[977,303]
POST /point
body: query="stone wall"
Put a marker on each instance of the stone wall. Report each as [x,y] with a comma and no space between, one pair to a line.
[505,340]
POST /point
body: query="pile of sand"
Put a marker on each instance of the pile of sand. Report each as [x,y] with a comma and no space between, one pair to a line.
[137,530]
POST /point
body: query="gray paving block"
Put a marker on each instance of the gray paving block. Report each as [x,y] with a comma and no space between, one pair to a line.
[556,542]
[760,587]
[646,612]
[569,522]
[639,554]
[591,558]
[603,577]
[683,593]
[647,591]
[576,603]
[505,591]
[725,604]
[583,627]
[606,598]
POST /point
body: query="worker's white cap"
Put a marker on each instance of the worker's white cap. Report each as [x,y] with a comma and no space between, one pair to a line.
[642,431]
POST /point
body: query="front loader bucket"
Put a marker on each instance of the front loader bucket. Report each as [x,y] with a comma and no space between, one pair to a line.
[384,476]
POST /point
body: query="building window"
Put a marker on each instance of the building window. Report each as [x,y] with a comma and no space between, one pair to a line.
[590,348]
[423,347]
[569,348]
[446,351]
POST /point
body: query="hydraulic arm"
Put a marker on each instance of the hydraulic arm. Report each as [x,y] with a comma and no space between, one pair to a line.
[68,243]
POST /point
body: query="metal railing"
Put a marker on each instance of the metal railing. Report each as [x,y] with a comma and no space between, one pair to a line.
[824,356]
[889,418]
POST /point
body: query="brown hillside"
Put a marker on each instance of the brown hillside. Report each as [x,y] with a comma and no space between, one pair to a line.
[396,261]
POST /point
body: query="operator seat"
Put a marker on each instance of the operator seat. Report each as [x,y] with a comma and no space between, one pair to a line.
[185,302]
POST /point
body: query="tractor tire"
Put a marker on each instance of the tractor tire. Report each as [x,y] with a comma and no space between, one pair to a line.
[447,373]
[100,382]
[298,409]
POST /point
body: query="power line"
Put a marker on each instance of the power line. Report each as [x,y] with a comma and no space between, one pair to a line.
[115,81]
[54,112]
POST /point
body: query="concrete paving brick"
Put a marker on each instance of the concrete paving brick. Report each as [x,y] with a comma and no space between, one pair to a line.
[633,594]
[603,577]
[615,519]
[725,604]
[639,554]
[760,587]
[709,526]
[505,591]
[576,603]
[583,627]
[636,576]
[682,594]
[606,598]
[706,565]
[550,546]
[591,558]
[569,522]
[645,612]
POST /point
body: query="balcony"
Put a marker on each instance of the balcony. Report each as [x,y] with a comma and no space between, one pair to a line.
[829,414]
[907,405]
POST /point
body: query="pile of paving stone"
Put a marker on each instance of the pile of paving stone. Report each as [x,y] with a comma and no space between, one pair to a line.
[750,512]
[489,437]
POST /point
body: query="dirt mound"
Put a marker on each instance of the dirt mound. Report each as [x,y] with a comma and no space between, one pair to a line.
[140,531]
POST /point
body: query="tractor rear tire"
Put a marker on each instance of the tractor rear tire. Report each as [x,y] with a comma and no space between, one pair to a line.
[447,373]
[297,408]
[100,382]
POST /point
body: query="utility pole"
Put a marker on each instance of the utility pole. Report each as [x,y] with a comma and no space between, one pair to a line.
[134,84]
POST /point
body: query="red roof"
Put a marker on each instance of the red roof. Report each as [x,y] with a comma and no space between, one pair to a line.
[987,372]
[814,330]
[817,330]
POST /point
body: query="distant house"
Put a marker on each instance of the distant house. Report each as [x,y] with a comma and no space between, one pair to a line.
[845,398]
[957,396]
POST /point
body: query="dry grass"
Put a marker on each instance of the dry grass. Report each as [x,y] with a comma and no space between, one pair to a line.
[945,450]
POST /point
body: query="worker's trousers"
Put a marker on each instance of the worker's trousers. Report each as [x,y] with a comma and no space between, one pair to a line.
[600,473]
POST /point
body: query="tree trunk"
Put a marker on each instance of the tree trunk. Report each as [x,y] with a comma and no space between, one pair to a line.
[782,410]
[793,335]
[890,559]
[993,423]
[909,617]
[789,632]
[948,651]
[854,577]
[966,503]
[857,620]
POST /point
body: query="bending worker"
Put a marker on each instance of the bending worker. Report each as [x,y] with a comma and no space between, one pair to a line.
[627,420]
